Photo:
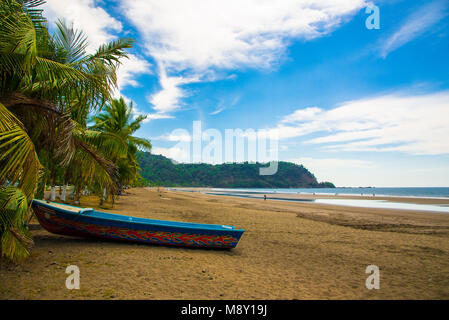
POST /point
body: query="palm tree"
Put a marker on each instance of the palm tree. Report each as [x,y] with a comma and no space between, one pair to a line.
[44,81]
[91,164]
[117,118]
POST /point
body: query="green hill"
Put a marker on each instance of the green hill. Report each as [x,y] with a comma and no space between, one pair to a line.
[161,171]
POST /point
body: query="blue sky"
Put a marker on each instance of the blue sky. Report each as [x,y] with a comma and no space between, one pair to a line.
[357,106]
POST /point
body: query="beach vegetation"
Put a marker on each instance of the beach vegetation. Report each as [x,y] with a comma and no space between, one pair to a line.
[161,171]
[49,89]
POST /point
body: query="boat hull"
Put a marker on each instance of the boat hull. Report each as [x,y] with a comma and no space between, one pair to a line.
[114,227]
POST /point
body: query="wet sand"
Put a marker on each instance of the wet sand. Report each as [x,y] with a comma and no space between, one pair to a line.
[290,250]
[310,196]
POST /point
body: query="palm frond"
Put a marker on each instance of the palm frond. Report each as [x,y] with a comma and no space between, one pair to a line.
[110,53]
[142,143]
[94,165]
[111,144]
[73,41]
[48,87]
[18,158]
[49,127]
[14,211]
[17,33]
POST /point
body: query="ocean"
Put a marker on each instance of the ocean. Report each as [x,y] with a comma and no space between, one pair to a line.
[429,192]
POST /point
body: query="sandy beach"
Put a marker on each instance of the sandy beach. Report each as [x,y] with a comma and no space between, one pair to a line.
[290,250]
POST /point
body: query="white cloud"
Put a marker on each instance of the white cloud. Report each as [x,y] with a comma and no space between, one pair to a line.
[180,136]
[138,112]
[173,153]
[414,124]
[168,98]
[100,27]
[332,163]
[155,116]
[225,104]
[150,116]
[415,25]
[218,110]
[131,67]
[229,34]
[127,71]
[200,38]
[356,172]
[337,170]
[302,114]
[85,15]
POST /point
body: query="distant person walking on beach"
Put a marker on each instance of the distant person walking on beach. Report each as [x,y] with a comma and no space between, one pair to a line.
[265,197]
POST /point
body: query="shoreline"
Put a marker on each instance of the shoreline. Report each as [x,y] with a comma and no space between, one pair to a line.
[313,194]
[437,205]
[290,250]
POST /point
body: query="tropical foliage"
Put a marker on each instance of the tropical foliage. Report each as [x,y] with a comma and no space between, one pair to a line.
[49,88]
[161,171]
[117,119]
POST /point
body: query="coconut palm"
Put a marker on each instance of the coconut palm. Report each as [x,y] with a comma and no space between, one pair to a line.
[118,118]
[44,81]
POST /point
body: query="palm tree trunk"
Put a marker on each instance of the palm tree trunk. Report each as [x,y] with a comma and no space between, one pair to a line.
[104,197]
[40,192]
[53,185]
[65,183]
[53,193]
[78,194]
[64,192]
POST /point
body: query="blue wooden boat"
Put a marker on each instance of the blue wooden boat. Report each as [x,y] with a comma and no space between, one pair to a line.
[86,222]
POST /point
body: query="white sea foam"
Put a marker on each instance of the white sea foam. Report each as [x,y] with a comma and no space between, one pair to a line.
[383,204]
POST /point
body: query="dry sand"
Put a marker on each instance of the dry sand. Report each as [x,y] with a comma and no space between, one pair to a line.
[290,250]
